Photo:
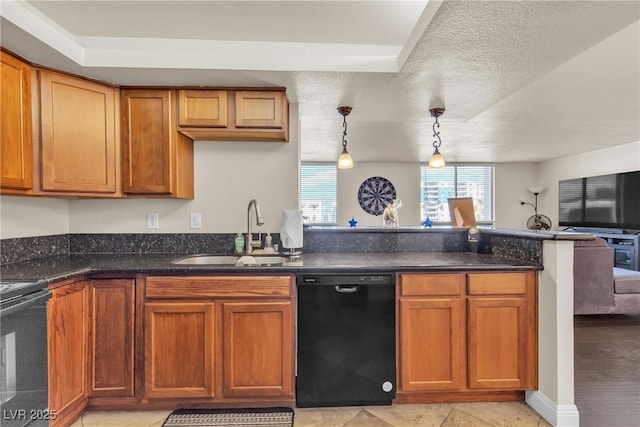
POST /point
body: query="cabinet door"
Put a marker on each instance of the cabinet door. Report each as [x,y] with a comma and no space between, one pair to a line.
[79,149]
[179,353]
[260,109]
[432,355]
[258,349]
[111,305]
[15,124]
[498,336]
[156,160]
[67,330]
[202,108]
[503,330]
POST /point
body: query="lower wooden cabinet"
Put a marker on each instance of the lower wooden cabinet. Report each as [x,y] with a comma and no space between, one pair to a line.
[67,336]
[111,337]
[432,332]
[466,332]
[502,330]
[225,338]
[179,345]
[257,349]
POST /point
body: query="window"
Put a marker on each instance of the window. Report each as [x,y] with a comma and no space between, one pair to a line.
[438,185]
[318,192]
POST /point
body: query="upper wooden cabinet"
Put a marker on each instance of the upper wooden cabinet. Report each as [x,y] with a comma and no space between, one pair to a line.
[156,159]
[202,108]
[15,125]
[79,146]
[228,115]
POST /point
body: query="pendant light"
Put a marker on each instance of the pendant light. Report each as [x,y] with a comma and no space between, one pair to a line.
[345,161]
[436,161]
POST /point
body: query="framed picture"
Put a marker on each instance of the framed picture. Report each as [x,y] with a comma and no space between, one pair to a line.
[461,211]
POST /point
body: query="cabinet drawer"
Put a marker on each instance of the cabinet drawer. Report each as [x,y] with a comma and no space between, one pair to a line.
[431,284]
[218,286]
[497,283]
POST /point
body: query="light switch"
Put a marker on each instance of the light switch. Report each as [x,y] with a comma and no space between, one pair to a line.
[152,220]
[196,220]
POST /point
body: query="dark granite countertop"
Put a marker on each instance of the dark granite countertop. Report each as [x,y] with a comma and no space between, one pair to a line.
[62,267]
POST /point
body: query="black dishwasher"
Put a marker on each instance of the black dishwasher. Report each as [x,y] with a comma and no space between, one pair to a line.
[346,340]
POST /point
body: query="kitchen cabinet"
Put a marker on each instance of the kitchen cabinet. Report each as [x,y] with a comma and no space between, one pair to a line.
[16,172]
[68,335]
[256,114]
[467,333]
[502,343]
[179,349]
[202,108]
[111,337]
[257,350]
[432,332]
[226,338]
[79,139]
[156,159]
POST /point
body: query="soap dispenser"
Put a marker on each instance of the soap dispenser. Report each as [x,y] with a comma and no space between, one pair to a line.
[239,244]
[268,243]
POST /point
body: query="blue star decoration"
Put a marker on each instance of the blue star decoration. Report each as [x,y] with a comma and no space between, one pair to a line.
[353,222]
[427,223]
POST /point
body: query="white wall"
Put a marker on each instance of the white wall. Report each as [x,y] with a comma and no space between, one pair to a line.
[512,182]
[32,216]
[622,158]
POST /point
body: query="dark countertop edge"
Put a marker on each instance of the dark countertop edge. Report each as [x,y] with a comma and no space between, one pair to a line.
[205,270]
[69,267]
[524,234]
[538,235]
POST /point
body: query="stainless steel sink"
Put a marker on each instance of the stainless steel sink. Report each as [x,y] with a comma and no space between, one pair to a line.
[207,259]
[246,260]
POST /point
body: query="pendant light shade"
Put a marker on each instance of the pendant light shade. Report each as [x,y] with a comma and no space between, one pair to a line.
[436,161]
[344,161]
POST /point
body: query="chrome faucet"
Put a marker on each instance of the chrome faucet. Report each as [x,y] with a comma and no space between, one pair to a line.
[249,242]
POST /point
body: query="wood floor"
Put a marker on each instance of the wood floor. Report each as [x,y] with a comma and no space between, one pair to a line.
[607,370]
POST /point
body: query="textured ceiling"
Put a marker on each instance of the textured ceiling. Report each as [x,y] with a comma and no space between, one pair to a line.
[520,80]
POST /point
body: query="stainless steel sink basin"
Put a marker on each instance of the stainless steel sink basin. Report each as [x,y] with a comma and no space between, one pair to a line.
[208,259]
[246,260]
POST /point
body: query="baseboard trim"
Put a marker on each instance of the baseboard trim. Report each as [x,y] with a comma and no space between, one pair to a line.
[556,415]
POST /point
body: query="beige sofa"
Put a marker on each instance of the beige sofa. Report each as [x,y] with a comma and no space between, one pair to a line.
[599,287]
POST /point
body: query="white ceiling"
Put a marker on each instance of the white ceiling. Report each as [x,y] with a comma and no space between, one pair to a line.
[520,80]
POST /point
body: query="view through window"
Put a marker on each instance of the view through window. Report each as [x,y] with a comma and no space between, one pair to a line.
[438,185]
[318,192]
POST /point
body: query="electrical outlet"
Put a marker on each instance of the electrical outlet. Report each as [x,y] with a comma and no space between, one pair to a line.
[152,220]
[196,220]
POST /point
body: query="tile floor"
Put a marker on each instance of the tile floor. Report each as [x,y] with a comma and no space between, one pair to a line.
[504,414]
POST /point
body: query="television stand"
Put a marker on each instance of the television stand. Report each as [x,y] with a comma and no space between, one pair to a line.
[625,246]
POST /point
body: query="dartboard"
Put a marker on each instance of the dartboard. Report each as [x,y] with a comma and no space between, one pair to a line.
[375,194]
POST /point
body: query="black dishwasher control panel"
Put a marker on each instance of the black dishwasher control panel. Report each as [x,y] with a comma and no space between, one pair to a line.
[346,279]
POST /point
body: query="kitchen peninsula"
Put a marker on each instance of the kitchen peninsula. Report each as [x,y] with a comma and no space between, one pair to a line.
[136,291]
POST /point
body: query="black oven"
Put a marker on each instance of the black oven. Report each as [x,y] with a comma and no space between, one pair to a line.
[23,358]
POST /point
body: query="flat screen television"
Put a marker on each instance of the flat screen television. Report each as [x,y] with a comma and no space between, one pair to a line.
[607,201]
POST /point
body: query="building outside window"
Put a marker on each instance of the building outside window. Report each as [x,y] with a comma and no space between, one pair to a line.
[438,185]
[318,193]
